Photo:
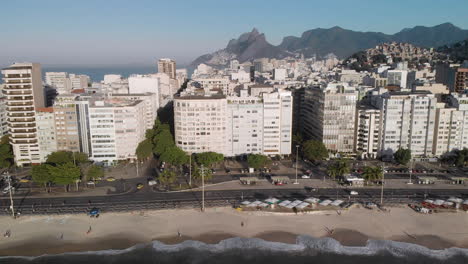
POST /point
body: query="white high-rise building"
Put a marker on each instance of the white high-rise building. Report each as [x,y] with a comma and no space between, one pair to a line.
[398,78]
[24,92]
[368,131]
[329,116]
[78,81]
[451,125]
[115,128]
[110,78]
[168,67]
[279,74]
[3,116]
[46,132]
[234,125]
[408,122]
[59,81]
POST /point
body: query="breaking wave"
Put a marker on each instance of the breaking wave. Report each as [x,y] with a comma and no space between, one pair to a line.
[252,250]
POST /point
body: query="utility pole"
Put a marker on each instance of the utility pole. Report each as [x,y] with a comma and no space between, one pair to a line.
[190,170]
[203,187]
[410,172]
[8,178]
[297,155]
[137,172]
[383,180]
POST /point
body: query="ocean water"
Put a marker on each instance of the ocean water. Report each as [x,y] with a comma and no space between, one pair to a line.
[96,73]
[252,250]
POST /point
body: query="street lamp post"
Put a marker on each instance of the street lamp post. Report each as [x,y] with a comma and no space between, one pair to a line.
[383,180]
[297,155]
[8,178]
[190,170]
[203,187]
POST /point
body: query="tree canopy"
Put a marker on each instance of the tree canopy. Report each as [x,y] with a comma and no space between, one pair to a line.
[41,175]
[402,156]
[338,169]
[167,177]
[144,149]
[208,158]
[62,157]
[94,172]
[6,153]
[257,161]
[65,174]
[314,150]
[372,173]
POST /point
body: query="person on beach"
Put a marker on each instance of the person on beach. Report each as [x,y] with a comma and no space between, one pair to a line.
[178,233]
[89,230]
[242,223]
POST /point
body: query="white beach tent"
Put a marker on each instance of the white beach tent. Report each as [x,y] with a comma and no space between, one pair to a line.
[284,203]
[337,203]
[312,200]
[325,202]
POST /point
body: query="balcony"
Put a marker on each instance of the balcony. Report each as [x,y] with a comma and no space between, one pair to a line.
[16,92]
[22,141]
[21,120]
[22,125]
[23,131]
[19,86]
[19,114]
[22,103]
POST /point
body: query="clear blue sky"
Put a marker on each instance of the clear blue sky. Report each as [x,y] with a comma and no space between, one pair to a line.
[125,31]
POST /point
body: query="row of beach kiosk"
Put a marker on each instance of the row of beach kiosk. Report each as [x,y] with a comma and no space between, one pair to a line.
[306,204]
[451,203]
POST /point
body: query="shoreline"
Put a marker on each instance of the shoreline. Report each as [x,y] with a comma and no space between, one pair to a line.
[38,235]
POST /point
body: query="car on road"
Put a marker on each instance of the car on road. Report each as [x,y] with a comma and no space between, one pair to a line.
[90,183]
[139,186]
[110,179]
[227,170]
[305,176]
[152,182]
[25,179]
[353,193]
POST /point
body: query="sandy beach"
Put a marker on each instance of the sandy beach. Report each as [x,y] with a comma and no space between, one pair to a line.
[37,235]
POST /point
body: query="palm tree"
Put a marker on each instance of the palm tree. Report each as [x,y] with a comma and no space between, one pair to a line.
[372,173]
[338,169]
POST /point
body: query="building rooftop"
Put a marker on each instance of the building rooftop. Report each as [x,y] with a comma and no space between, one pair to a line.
[200,97]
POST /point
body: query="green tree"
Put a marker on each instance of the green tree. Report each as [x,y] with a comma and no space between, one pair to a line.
[257,161]
[372,173]
[208,158]
[6,154]
[163,141]
[197,173]
[62,157]
[402,156]
[338,169]
[167,178]
[314,150]
[41,175]
[144,149]
[94,172]
[65,174]
[5,139]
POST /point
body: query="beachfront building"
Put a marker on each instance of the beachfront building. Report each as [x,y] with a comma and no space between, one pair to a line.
[78,81]
[66,123]
[329,115]
[150,100]
[115,129]
[451,125]
[234,125]
[368,131]
[409,119]
[3,116]
[46,132]
[24,93]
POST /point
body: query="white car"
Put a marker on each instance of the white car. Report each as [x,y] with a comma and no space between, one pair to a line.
[354,193]
[305,176]
[152,182]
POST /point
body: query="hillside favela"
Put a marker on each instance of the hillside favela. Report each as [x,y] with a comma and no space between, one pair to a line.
[222,132]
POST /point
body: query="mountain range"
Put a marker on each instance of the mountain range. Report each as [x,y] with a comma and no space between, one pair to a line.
[320,42]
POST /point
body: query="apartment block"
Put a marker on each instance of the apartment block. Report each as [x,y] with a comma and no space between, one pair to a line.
[409,120]
[329,116]
[451,125]
[3,116]
[168,67]
[66,123]
[46,132]
[24,93]
[368,131]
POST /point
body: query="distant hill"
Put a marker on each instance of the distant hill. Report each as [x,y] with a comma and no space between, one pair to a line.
[341,42]
[457,52]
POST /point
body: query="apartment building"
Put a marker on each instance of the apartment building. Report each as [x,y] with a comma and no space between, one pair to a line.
[59,81]
[78,81]
[200,123]
[115,129]
[150,100]
[329,116]
[3,116]
[234,125]
[168,67]
[218,83]
[409,119]
[451,125]
[368,131]
[24,93]
[46,132]
[66,123]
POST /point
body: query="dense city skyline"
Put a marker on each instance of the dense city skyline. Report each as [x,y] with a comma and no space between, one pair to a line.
[78,33]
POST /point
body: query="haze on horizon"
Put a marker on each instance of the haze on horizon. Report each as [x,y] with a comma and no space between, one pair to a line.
[87,32]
